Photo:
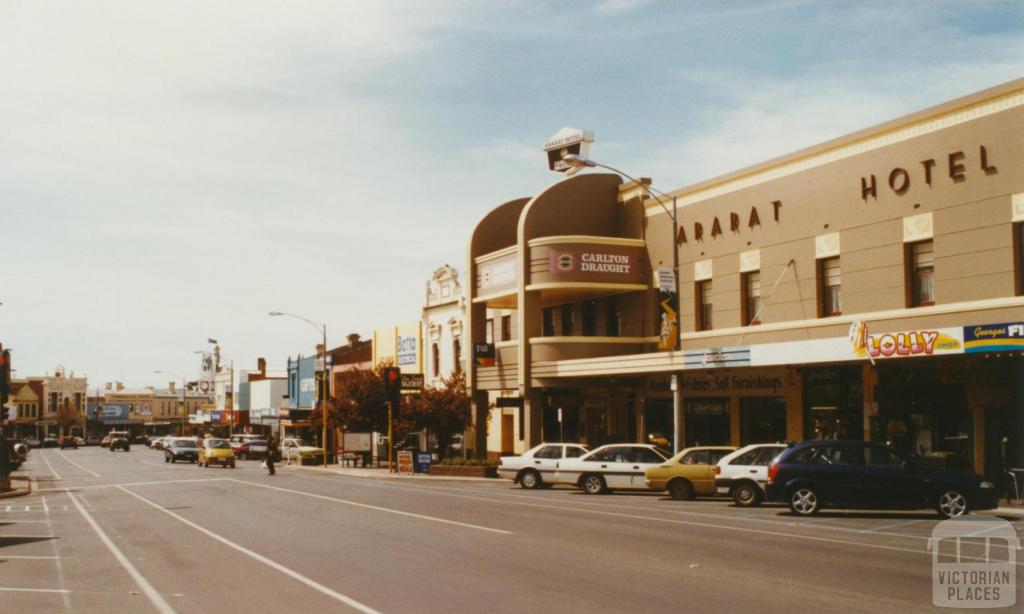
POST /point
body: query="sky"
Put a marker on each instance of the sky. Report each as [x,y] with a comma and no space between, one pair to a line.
[173,170]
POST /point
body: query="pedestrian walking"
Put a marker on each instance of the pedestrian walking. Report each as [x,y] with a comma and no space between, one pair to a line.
[271,452]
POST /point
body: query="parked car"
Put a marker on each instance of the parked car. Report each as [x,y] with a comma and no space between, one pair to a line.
[158,443]
[140,439]
[536,467]
[180,449]
[68,442]
[50,442]
[80,441]
[858,474]
[216,452]
[689,473]
[250,448]
[33,442]
[93,440]
[242,444]
[743,474]
[119,441]
[294,449]
[610,467]
[105,441]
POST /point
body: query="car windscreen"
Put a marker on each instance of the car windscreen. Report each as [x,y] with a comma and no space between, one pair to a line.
[183,443]
[257,442]
[217,443]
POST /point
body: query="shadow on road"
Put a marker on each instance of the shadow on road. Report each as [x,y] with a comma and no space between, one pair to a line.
[17,541]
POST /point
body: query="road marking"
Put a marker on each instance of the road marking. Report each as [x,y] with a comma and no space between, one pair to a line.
[891,526]
[62,591]
[259,557]
[375,507]
[59,565]
[52,470]
[25,556]
[147,588]
[149,483]
[64,456]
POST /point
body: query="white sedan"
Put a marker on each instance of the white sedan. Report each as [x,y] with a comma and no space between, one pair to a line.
[611,467]
[536,467]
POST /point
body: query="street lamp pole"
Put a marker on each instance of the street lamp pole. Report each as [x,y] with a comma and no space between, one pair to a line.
[578,162]
[325,386]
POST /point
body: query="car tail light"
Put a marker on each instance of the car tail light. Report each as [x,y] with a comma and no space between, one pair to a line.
[773,470]
[718,470]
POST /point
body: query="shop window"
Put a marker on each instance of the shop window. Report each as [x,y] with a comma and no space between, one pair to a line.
[751,287]
[830,288]
[704,311]
[506,328]
[567,320]
[1018,257]
[489,330]
[920,274]
[613,319]
[549,322]
[589,318]
[435,354]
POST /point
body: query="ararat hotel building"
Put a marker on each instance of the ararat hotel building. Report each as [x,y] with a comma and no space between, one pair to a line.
[870,286]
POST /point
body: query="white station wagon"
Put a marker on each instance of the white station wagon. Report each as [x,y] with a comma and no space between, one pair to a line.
[744,473]
[536,467]
[612,467]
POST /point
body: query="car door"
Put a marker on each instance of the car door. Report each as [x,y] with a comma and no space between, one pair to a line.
[642,459]
[890,480]
[838,471]
[545,462]
[616,467]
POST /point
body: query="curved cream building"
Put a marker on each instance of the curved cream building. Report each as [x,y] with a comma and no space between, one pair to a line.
[867,287]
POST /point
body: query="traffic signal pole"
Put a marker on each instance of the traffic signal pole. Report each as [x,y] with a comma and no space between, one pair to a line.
[390,442]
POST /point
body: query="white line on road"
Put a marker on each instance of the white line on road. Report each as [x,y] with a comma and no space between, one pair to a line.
[376,507]
[149,483]
[52,470]
[147,588]
[64,456]
[62,591]
[259,557]
[56,556]
[890,526]
[25,556]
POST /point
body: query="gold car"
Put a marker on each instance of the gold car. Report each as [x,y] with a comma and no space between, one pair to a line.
[216,452]
[689,473]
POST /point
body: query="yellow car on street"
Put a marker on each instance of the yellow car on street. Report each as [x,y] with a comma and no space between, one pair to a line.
[689,473]
[216,452]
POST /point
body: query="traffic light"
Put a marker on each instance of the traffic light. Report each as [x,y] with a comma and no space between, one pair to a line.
[392,386]
[5,382]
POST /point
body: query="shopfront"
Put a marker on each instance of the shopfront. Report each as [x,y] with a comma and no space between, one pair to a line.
[833,402]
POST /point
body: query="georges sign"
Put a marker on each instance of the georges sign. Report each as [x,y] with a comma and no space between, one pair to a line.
[1006,337]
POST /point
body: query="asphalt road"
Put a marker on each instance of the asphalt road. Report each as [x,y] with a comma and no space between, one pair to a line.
[117,532]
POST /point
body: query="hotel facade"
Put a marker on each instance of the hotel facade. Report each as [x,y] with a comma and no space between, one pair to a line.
[867,287]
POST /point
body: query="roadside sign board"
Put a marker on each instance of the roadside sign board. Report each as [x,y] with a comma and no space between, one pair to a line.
[405,464]
[412,381]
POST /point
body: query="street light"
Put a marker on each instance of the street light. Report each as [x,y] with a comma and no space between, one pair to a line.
[184,407]
[576,162]
[322,329]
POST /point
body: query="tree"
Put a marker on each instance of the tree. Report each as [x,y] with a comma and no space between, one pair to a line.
[358,404]
[68,416]
[444,410]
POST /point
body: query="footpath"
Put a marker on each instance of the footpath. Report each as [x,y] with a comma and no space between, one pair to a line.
[16,490]
[382,473]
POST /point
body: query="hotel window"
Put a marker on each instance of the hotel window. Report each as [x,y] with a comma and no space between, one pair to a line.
[612,318]
[589,318]
[751,298]
[704,312]
[1018,256]
[921,274]
[457,351]
[549,322]
[830,287]
[435,354]
[506,328]
[489,331]
[567,320]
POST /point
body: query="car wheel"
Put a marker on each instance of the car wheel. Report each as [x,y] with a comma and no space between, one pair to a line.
[594,485]
[951,504]
[530,480]
[167,459]
[746,495]
[232,464]
[804,501]
[242,456]
[680,489]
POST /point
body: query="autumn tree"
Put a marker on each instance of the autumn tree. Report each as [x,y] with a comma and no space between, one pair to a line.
[444,410]
[359,404]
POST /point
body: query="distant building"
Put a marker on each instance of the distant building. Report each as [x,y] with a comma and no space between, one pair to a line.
[443,313]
